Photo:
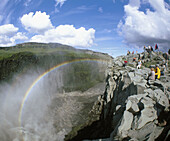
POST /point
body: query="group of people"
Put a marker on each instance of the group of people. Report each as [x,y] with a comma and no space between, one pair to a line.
[155,73]
[128,52]
[150,48]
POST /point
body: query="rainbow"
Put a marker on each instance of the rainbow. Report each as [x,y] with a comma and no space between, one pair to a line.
[38,79]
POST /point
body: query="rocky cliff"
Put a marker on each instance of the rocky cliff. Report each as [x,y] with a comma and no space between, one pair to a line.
[131,107]
[48,109]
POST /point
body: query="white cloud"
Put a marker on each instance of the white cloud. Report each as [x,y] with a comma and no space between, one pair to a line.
[104,39]
[5,41]
[167,5]
[38,23]
[20,36]
[67,34]
[100,9]
[134,3]
[8,29]
[148,28]
[60,2]
[105,31]
[27,2]
[158,5]
[9,35]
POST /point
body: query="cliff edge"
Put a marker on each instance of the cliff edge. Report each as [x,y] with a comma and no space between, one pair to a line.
[131,108]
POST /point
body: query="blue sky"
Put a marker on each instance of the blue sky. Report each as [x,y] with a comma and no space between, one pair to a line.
[111,26]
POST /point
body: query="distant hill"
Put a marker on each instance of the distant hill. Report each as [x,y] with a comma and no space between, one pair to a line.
[40,57]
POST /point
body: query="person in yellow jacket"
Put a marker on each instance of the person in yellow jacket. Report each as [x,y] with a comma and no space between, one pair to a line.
[157,72]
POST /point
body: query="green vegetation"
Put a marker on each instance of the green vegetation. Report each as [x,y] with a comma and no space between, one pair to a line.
[148,64]
[83,75]
[34,56]
[74,131]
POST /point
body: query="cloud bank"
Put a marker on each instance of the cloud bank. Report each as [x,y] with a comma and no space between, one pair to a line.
[8,29]
[41,30]
[9,34]
[38,23]
[67,34]
[146,28]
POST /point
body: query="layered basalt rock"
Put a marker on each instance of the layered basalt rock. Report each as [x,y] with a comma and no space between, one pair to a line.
[131,107]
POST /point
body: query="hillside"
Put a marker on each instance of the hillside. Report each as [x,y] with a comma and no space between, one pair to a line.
[41,57]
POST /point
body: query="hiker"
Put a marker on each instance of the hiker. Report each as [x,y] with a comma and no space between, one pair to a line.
[156,47]
[157,72]
[150,52]
[166,62]
[133,52]
[139,64]
[125,63]
[144,48]
[152,74]
[164,65]
[134,59]
[151,48]
[139,56]
[128,52]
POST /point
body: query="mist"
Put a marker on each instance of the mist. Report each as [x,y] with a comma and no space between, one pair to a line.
[49,112]
[37,120]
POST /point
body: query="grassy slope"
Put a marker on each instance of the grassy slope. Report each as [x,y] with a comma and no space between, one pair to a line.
[33,55]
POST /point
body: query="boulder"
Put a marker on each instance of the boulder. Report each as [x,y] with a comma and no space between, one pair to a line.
[132,106]
[148,114]
[161,98]
[149,132]
[119,63]
[125,124]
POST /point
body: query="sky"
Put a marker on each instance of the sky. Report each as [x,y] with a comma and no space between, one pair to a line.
[109,26]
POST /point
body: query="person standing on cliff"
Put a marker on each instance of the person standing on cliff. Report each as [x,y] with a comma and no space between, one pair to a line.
[156,47]
[150,52]
[167,59]
[125,63]
[157,72]
[152,74]
[139,64]
[144,48]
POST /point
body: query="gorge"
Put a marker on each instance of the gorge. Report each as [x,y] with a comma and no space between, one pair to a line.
[53,92]
[45,89]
